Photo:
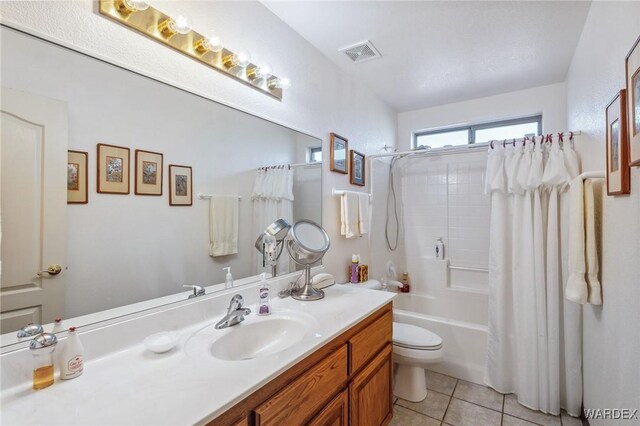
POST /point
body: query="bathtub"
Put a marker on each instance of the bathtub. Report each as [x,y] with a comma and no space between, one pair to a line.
[463,334]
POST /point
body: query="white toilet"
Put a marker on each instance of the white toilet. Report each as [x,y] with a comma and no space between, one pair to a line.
[413,349]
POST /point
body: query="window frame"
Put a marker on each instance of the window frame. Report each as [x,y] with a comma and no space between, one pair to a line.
[471,129]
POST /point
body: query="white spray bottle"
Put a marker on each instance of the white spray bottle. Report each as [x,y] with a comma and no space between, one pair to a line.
[228,279]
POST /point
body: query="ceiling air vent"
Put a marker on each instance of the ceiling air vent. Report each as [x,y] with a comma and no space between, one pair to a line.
[361,52]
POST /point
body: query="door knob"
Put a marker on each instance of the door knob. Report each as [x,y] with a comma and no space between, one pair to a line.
[51,270]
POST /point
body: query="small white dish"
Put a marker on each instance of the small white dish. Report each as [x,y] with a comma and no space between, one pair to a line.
[162,342]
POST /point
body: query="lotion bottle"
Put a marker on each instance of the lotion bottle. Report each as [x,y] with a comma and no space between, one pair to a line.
[72,358]
[354,269]
[264,299]
[228,279]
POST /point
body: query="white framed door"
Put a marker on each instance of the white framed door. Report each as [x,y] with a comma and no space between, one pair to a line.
[33,208]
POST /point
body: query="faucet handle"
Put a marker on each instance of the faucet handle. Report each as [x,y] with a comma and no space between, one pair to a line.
[197,290]
[236,302]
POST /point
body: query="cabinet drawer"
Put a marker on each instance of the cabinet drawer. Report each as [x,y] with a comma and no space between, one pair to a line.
[369,341]
[301,399]
[370,392]
[336,413]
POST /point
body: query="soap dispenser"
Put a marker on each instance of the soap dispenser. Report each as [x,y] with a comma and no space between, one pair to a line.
[264,301]
[228,279]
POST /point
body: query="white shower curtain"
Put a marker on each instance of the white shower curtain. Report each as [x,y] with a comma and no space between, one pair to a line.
[534,347]
[272,199]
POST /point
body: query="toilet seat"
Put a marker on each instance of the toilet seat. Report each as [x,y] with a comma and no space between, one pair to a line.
[416,338]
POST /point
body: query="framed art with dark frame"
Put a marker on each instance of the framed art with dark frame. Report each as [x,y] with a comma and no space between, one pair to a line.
[338,149]
[618,182]
[632,67]
[180,185]
[148,179]
[77,182]
[357,172]
[113,169]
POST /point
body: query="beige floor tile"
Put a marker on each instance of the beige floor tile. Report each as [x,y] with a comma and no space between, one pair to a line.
[507,420]
[567,420]
[434,405]
[405,417]
[513,408]
[440,383]
[462,413]
[481,395]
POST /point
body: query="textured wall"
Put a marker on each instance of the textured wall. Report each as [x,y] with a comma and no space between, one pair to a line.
[611,336]
[321,100]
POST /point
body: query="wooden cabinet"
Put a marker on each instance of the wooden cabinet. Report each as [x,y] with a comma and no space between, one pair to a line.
[296,403]
[346,382]
[370,392]
[336,413]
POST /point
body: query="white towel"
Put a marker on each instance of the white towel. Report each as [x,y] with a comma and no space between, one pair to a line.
[349,215]
[592,215]
[363,213]
[583,285]
[577,290]
[223,225]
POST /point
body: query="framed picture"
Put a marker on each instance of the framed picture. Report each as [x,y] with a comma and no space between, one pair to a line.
[338,149]
[113,169]
[180,187]
[77,188]
[148,173]
[632,64]
[357,170]
[617,146]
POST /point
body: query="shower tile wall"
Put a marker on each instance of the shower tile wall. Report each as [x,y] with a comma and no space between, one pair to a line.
[443,197]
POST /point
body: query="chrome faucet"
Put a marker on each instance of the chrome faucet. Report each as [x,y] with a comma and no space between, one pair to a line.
[235,314]
[197,290]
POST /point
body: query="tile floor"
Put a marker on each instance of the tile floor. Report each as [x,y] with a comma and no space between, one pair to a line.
[455,402]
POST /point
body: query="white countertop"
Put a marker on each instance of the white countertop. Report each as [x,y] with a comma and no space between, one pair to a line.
[135,386]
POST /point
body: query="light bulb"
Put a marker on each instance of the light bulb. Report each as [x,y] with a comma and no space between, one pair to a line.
[283,83]
[137,5]
[213,42]
[242,58]
[180,24]
[264,70]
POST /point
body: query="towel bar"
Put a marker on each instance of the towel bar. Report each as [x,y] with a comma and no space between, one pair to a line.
[202,196]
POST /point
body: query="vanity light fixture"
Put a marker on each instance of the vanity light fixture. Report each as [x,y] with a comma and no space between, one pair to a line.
[176,32]
[279,83]
[173,25]
[209,43]
[127,7]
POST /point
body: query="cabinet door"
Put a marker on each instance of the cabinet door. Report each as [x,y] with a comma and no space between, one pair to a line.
[336,413]
[370,392]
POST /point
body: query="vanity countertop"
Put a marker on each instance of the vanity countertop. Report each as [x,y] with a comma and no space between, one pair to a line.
[136,386]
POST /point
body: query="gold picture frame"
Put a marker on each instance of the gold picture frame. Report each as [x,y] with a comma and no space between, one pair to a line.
[113,169]
[618,173]
[357,168]
[149,175]
[632,69]
[77,182]
[180,185]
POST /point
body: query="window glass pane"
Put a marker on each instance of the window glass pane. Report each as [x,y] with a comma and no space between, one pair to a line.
[506,132]
[316,155]
[439,140]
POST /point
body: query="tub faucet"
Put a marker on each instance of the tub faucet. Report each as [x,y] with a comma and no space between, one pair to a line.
[235,313]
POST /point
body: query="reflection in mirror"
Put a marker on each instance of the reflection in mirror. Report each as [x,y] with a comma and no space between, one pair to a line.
[307,244]
[131,247]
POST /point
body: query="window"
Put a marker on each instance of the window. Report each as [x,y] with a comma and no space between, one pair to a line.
[315,155]
[478,133]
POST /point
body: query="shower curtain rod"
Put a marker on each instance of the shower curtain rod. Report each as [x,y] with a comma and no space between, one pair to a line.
[455,149]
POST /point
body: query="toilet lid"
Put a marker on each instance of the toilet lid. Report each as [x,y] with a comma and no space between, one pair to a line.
[411,336]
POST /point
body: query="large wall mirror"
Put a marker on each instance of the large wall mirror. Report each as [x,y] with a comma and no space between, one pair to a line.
[119,249]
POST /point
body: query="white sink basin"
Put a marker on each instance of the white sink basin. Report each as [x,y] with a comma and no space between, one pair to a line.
[256,337]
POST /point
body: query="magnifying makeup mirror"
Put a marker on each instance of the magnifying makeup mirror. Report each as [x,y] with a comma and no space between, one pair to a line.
[307,244]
